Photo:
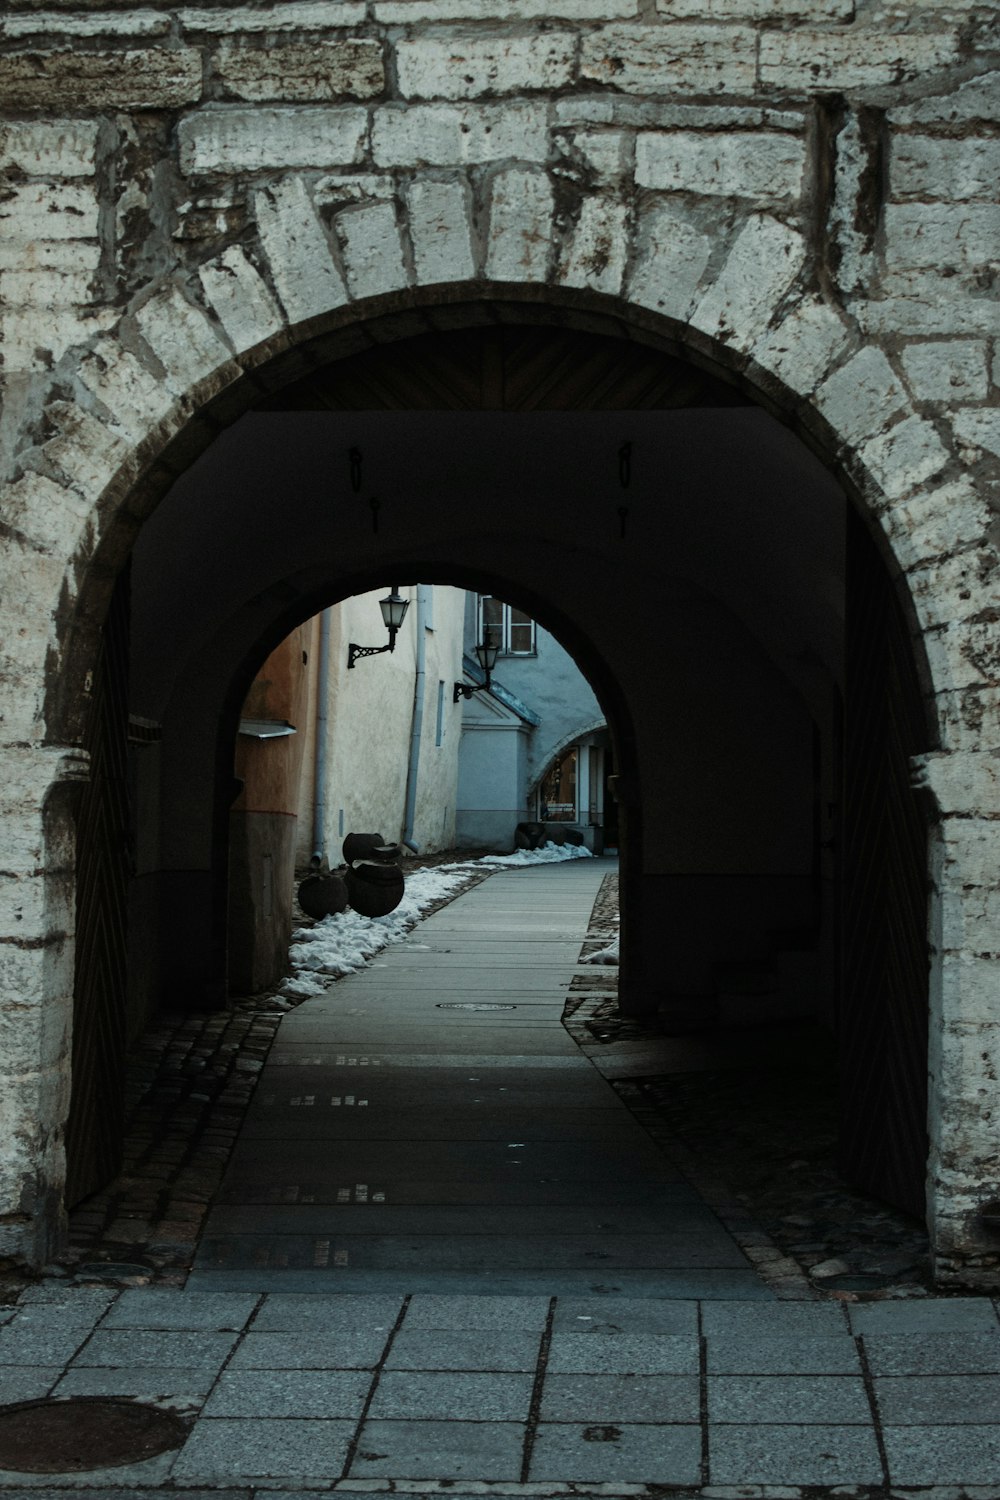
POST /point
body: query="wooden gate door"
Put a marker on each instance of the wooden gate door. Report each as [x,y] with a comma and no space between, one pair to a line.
[884,1005]
[96,1115]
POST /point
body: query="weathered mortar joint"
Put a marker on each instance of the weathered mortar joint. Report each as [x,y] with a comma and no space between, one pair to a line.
[573,170]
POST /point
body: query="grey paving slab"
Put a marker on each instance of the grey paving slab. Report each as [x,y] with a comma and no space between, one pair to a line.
[414,1041]
[163,1308]
[289,1449]
[476,1313]
[149,1474]
[462,975]
[936,1400]
[429,1349]
[933,1353]
[290,1393]
[462,1396]
[933,1315]
[78,1296]
[525,947]
[603,1315]
[826,1399]
[442,996]
[445,1088]
[793,1455]
[439,1450]
[533,956]
[323,1122]
[799,1320]
[466,1021]
[620,1398]
[449,1026]
[320,1349]
[178,1388]
[118,1349]
[743,1355]
[79,1304]
[302,1312]
[307,1055]
[604,1452]
[137,1492]
[681,1285]
[435,1218]
[427,1251]
[550,1189]
[478,1161]
[966,1455]
[24,1342]
[27,1382]
[623,1354]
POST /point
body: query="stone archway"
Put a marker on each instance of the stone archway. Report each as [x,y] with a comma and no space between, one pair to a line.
[92,445]
[210,478]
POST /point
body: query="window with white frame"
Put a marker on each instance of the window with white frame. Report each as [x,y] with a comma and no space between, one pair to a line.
[517,630]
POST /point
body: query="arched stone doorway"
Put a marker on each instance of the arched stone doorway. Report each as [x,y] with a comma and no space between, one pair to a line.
[700,583]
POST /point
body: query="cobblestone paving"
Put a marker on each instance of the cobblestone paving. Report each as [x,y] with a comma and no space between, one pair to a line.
[190,1081]
[759,1141]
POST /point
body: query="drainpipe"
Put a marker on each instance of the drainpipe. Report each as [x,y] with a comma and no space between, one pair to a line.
[417,727]
[322,692]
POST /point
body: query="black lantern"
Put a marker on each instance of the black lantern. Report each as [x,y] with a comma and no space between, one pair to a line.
[393,608]
[486,654]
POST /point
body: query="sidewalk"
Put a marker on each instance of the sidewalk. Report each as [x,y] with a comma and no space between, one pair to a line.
[429,1123]
[298,1391]
[445,1258]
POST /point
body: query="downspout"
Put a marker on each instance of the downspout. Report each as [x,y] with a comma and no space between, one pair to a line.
[417,727]
[322,715]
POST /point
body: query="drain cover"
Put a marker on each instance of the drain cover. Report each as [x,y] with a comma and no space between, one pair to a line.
[111,1270]
[67,1437]
[471,1005]
[857,1281]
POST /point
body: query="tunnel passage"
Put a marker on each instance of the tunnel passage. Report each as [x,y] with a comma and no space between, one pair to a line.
[703,588]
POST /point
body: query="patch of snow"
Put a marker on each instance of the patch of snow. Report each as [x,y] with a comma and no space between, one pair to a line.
[344,943]
[608,955]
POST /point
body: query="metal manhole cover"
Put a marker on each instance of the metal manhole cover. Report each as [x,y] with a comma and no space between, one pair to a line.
[856,1281]
[471,1005]
[111,1270]
[87,1432]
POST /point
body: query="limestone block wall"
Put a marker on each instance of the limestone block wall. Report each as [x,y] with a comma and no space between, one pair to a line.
[801,192]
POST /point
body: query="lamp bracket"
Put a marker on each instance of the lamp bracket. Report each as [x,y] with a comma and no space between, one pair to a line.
[466,689]
[354,652]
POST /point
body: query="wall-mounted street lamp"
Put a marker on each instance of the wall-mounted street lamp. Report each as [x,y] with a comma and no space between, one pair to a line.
[486,654]
[393,613]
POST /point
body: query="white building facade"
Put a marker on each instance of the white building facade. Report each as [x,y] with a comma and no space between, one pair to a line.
[535,748]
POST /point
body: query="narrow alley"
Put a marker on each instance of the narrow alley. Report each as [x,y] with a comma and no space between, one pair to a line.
[430,1118]
[445,1258]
